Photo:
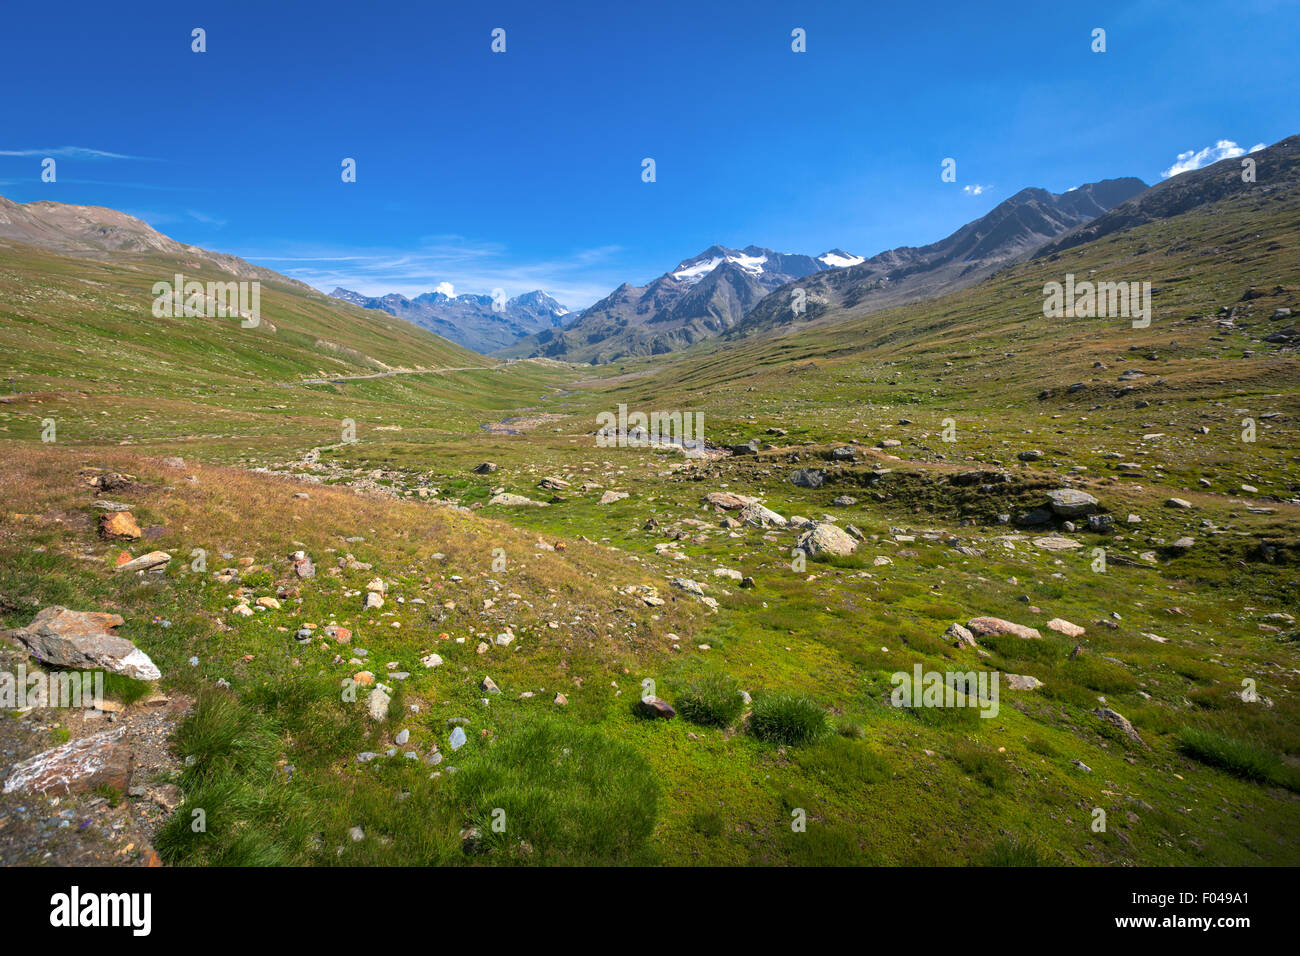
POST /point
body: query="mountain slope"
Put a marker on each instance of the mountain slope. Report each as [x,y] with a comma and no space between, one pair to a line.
[95,232]
[77,306]
[1011,232]
[1276,170]
[468,320]
[701,298]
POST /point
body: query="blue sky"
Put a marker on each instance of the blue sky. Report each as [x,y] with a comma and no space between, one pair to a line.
[522,170]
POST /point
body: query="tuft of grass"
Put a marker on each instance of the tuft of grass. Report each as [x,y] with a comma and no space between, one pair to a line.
[787,719]
[713,700]
[983,763]
[575,796]
[848,727]
[1013,851]
[223,736]
[237,810]
[1247,759]
[707,823]
[126,689]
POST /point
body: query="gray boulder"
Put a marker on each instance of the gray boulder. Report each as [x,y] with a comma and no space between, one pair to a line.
[807,478]
[1071,503]
[826,539]
[85,641]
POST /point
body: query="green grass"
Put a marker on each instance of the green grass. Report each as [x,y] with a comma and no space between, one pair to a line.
[1013,851]
[713,700]
[573,795]
[279,771]
[787,719]
[1247,759]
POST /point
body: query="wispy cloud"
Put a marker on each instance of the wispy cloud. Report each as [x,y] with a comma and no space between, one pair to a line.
[445,263]
[975,190]
[74,152]
[1196,158]
[204,218]
[156,219]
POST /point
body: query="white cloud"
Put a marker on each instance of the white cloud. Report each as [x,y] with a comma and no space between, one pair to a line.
[446,288]
[975,190]
[69,152]
[1195,159]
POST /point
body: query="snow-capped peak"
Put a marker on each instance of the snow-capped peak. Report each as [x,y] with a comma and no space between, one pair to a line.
[839,259]
[692,270]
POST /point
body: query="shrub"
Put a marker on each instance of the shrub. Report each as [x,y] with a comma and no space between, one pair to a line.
[787,719]
[713,700]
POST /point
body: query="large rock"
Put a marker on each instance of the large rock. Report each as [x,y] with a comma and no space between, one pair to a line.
[994,626]
[79,766]
[119,525]
[1057,543]
[302,565]
[85,641]
[1120,721]
[726,500]
[1022,682]
[510,500]
[1071,503]
[959,636]
[760,517]
[826,539]
[146,562]
[808,478]
[1061,626]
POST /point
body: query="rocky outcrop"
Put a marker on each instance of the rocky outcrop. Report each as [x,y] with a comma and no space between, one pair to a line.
[79,766]
[84,640]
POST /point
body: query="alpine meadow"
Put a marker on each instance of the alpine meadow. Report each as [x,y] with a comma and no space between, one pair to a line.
[390,481]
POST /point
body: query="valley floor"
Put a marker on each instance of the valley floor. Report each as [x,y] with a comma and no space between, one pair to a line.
[533,629]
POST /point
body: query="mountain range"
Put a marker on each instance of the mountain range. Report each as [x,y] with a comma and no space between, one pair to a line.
[702,297]
[1011,232]
[734,293]
[469,320]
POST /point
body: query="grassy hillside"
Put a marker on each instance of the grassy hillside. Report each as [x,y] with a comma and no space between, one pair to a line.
[1171,629]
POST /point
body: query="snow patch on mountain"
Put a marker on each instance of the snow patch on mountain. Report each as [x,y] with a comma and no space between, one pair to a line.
[839,259]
